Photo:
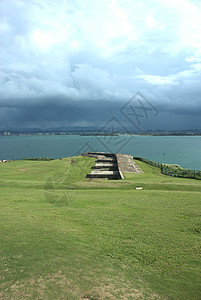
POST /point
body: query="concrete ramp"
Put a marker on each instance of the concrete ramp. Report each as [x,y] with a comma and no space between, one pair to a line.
[126,163]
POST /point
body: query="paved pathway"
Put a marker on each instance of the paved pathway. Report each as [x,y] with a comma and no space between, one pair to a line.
[127,164]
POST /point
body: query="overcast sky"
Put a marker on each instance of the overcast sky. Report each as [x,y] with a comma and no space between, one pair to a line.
[78,62]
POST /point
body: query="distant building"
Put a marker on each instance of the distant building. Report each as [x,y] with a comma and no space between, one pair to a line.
[6,133]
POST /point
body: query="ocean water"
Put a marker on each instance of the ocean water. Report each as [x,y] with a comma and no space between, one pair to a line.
[182,150]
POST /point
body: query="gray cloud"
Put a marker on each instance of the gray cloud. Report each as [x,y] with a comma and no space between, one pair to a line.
[78,62]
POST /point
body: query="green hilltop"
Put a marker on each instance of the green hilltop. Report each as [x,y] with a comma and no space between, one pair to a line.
[66,237]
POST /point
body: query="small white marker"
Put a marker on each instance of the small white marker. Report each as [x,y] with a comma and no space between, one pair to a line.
[138,188]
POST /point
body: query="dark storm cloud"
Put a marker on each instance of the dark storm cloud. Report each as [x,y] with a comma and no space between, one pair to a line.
[57,112]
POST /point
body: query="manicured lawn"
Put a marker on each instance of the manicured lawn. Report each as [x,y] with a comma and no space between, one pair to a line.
[64,237]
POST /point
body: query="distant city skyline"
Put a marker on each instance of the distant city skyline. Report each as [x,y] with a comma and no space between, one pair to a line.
[79,63]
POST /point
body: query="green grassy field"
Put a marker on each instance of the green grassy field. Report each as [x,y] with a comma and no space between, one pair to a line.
[64,237]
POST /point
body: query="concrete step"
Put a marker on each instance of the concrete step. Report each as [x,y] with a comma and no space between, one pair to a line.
[104,174]
[106,160]
[107,164]
[104,168]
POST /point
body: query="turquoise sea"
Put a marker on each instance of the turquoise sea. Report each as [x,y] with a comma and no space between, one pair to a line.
[182,150]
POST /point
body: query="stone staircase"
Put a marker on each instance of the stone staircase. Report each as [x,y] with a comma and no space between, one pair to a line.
[106,166]
[111,165]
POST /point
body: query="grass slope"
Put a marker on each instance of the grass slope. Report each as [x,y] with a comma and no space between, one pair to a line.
[64,237]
